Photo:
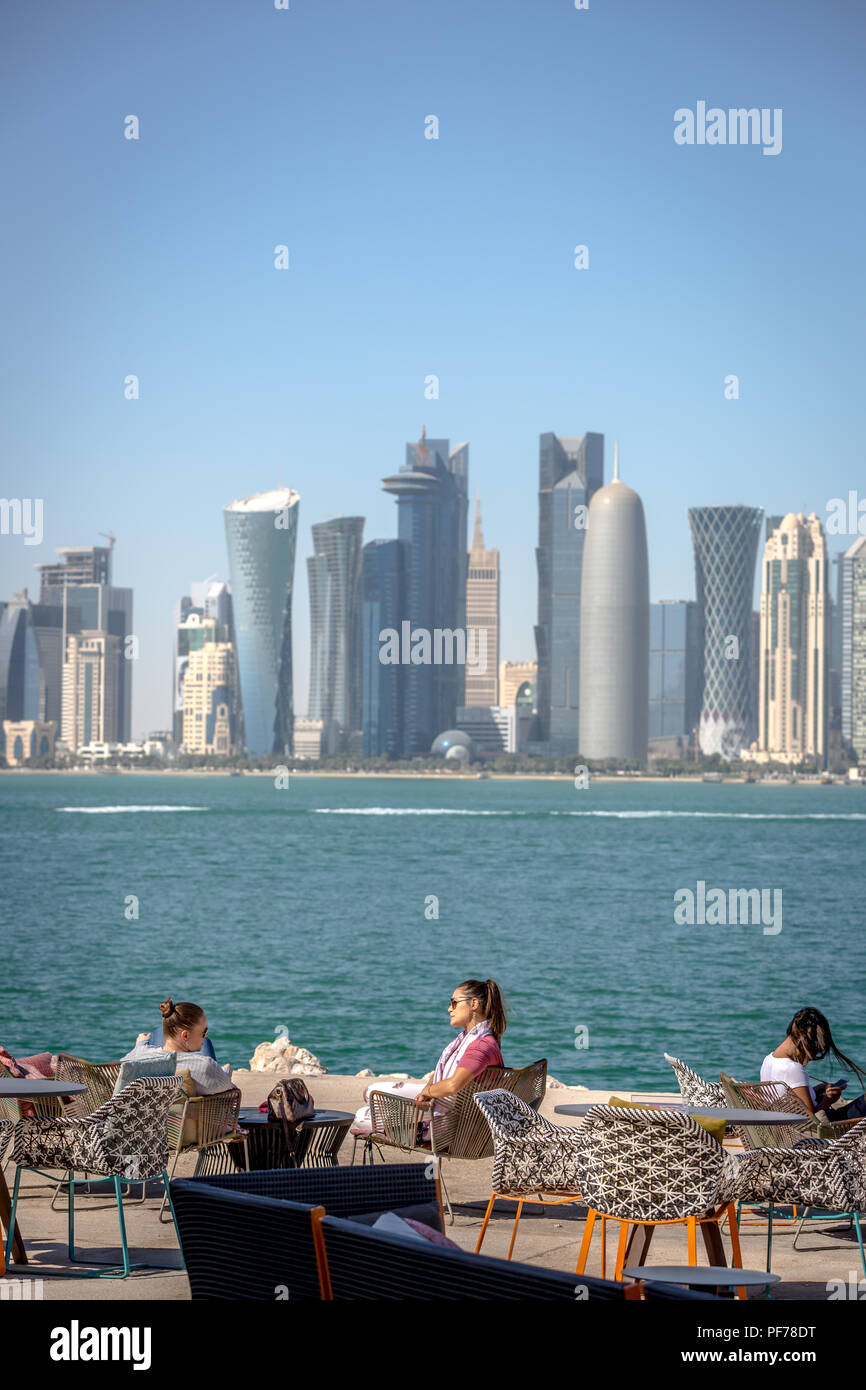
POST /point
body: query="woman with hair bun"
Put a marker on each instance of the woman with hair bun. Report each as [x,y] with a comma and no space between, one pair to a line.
[184,1028]
[477,1009]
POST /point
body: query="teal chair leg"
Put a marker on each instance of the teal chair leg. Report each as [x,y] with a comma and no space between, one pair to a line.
[10,1234]
[856,1216]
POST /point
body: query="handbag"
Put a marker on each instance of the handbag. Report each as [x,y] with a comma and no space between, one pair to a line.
[290,1102]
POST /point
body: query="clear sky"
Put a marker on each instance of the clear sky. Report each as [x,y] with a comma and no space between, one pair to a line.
[410,256]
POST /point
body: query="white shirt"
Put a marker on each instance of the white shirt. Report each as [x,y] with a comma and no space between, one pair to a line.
[206,1073]
[787,1070]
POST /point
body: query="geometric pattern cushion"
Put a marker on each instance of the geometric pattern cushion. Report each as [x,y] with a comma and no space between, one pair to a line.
[652,1165]
[817,1173]
[693,1088]
[126,1137]
[529,1153]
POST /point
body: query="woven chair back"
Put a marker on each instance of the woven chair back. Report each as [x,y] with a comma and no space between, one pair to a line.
[768,1095]
[647,1165]
[693,1088]
[463,1132]
[98,1077]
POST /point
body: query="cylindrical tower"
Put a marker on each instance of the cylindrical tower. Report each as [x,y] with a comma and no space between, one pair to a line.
[260,533]
[614,626]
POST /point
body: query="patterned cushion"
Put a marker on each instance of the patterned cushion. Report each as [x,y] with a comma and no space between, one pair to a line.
[126,1137]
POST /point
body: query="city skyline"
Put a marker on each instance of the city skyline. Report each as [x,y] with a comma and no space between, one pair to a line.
[141,726]
[251,387]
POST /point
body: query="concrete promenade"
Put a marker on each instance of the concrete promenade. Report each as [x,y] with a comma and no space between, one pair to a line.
[547,1236]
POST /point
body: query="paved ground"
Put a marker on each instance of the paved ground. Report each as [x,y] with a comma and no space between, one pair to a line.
[547,1236]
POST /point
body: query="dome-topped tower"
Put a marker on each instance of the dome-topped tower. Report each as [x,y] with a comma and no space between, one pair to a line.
[614,626]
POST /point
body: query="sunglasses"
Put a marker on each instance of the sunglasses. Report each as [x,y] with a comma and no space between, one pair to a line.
[454,1002]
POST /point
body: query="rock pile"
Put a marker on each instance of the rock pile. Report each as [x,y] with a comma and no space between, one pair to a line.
[282,1056]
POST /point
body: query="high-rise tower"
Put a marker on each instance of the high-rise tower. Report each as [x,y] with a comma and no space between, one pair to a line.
[614,626]
[431,494]
[261,532]
[570,471]
[725,541]
[482,617]
[334,574]
[795,601]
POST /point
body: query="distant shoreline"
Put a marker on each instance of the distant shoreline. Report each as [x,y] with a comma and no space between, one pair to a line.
[690,779]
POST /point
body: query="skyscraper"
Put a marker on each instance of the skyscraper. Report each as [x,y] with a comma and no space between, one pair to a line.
[795,632]
[384,603]
[431,494]
[614,626]
[261,532]
[482,617]
[210,708]
[92,689]
[19,661]
[334,574]
[725,541]
[852,642]
[570,471]
[209,598]
[674,669]
[79,591]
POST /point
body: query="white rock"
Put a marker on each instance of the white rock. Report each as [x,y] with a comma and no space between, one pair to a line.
[282,1056]
[554,1085]
[365,1071]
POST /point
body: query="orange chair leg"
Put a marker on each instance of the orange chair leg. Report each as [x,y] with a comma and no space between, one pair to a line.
[693,1240]
[587,1240]
[514,1228]
[604,1247]
[487,1216]
[620,1250]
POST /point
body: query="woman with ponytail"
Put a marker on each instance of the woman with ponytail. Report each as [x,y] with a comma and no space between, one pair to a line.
[476,1008]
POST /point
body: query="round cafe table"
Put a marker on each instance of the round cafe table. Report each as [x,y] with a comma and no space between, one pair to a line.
[26,1088]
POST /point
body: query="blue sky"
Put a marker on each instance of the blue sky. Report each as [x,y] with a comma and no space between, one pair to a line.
[411,256]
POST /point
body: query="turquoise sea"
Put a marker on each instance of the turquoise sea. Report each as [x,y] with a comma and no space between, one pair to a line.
[303,908]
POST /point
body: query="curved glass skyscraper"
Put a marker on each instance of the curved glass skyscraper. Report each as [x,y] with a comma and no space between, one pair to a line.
[725,541]
[261,533]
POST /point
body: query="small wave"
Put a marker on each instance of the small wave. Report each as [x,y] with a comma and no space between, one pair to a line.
[407,811]
[613,815]
[120,810]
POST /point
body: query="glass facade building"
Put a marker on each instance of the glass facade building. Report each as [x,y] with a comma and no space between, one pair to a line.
[570,472]
[261,534]
[674,668]
[383,606]
[19,662]
[80,589]
[334,575]
[725,542]
[432,506]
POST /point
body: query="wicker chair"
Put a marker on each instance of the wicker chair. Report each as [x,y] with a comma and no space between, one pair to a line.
[98,1077]
[693,1088]
[648,1168]
[461,1130]
[775,1095]
[826,1176]
[531,1157]
[46,1107]
[125,1139]
[216,1123]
